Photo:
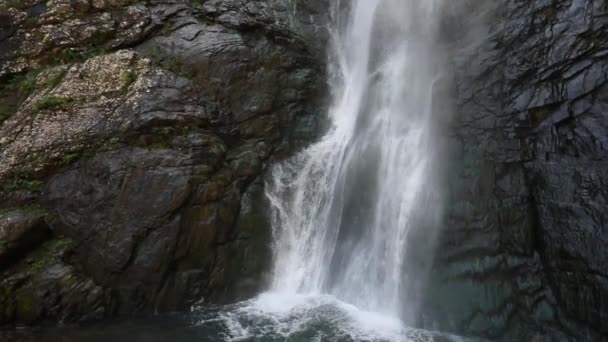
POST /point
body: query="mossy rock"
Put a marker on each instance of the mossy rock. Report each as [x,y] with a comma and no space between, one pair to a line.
[52,102]
[7,303]
[128,79]
[32,185]
[13,91]
[6,111]
[48,253]
[72,55]
[171,63]
[22,85]
[26,304]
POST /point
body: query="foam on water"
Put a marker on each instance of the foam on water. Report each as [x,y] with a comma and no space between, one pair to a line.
[287,317]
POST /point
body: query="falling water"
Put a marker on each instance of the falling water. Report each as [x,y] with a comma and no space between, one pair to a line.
[344,207]
[344,210]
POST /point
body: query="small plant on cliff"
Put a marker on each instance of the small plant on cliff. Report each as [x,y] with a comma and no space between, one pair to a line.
[178,67]
[26,84]
[72,55]
[52,102]
[56,78]
[173,64]
[14,90]
[69,158]
[128,79]
[22,85]
[33,185]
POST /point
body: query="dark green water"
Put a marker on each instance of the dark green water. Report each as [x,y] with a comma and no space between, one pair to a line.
[269,318]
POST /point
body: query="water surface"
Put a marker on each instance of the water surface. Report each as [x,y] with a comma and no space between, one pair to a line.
[272,317]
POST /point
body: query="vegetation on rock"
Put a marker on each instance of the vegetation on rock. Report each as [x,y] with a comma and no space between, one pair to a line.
[52,102]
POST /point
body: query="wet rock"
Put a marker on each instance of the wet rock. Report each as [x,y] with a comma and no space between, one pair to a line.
[520,255]
[139,126]
[67,31]
[43,286]
[20,232]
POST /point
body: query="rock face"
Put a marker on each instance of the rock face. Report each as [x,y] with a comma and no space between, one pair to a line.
[133,139]
[522,256]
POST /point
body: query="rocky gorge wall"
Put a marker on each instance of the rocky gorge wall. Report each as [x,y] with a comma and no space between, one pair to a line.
[522,255]
[134,136]
[133,139]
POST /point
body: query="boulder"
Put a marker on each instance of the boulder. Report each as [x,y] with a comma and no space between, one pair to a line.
[140,127]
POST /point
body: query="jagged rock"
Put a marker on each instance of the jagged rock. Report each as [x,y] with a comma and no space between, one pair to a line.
[20,232]
[141,139]
[42,32]
[42,286]
[522,254]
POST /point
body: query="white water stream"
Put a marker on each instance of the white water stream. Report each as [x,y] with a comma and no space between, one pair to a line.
[344,208]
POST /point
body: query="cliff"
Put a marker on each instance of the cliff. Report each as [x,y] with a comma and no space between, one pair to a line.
[134,137]
[522,254]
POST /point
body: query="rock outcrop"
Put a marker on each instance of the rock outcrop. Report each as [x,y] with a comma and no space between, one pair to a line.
[133,139]
[522,256]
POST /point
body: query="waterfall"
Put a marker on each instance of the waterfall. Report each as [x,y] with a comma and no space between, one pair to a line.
[355,214]
[344,208]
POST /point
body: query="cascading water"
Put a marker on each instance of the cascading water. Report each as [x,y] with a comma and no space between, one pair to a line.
[344,207]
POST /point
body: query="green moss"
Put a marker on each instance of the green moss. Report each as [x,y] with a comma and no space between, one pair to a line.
[39,264]
[19,87]
[22,84]
[34,209]
[166,30]
[159,145]
[18,4]
[33,185]
[167,132]
[27,85]
[112,141]
[161,138]
[173,64]
[23,301]
[128,79]
[31,22]
[14,91]
[72,55]
[52,102]
[6,111]
[58,245]
[69,158]
[177,66]
[154,54]
[49,252]
[72,157]
[25,304]
[101,37]
[7,302]
[55,78]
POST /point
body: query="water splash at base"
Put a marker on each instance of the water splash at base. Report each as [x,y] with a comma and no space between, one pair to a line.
[284,317]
